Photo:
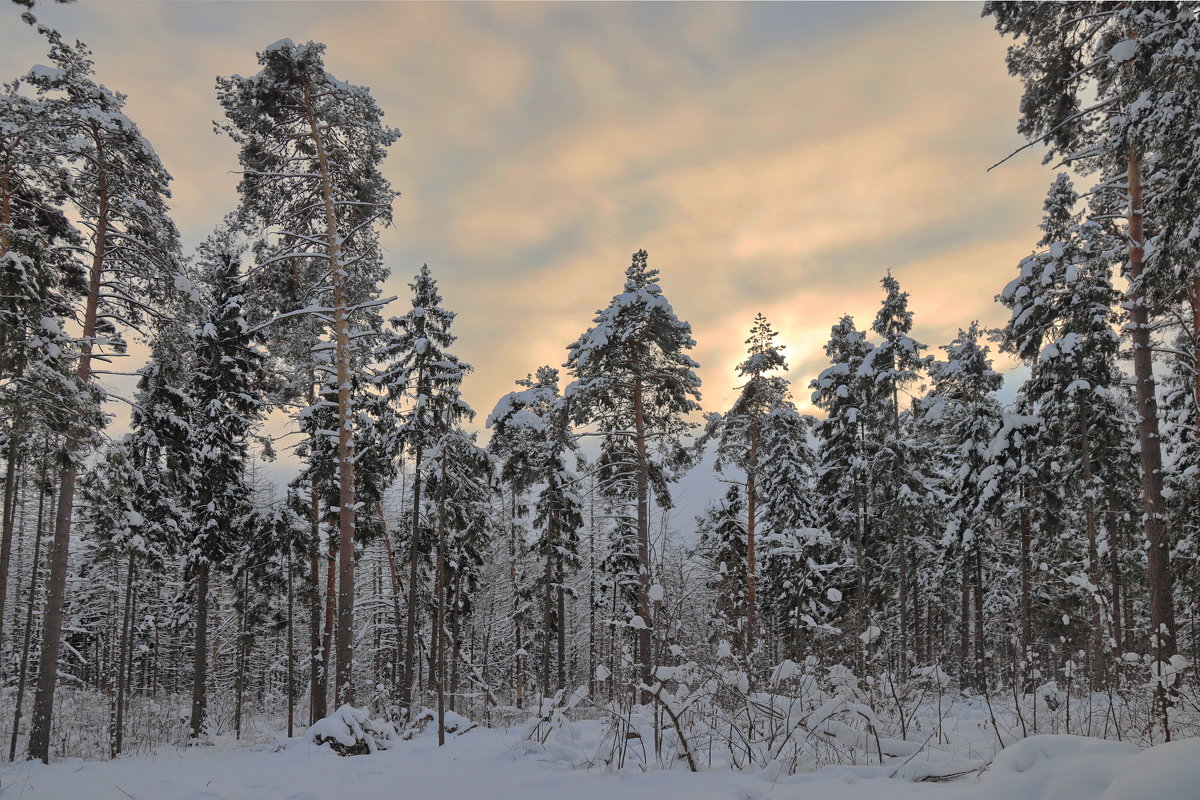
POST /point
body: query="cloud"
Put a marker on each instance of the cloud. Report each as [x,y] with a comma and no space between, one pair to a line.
[773,158]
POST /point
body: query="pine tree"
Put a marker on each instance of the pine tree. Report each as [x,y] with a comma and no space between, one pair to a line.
[739,434]
[1093,92]
[120,189]
[311,146]
[633,377]
[39,281]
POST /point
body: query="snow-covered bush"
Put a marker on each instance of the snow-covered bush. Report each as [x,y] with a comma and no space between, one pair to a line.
[350,731]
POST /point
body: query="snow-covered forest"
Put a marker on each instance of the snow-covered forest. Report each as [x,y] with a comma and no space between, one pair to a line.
[898,588]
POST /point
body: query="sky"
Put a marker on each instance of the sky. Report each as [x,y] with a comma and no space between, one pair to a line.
[773,157]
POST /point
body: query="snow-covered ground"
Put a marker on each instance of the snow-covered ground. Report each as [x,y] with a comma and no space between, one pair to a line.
[488,764]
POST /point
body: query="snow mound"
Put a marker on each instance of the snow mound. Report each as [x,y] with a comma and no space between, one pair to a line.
[1168,771]
[1081,768]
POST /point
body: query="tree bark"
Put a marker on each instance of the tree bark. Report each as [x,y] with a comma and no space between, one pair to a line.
[396,590]
[644,670]
[1093,571]
[410,627]
[118,732]
[28,634]
[9,512]
[561,626]
[200,654]
[1114,567]
[344,674]
[439,609]
[291,646]
[518,659]
[330,616]
[980,672]
[1026,582]
[751,519]
[1162,608]
[547,618]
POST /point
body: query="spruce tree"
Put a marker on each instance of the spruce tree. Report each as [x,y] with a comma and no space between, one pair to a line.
[532,430]
[845,394]
[227,406]
[420,375]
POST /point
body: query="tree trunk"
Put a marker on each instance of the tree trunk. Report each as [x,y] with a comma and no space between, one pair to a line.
[593,653]
[644,669]
[318,685]
[14,438]
[1162,608]
[1114,566]
[547,618]
[396,590]
[118,732]
[902,555]
[751,566]
[1026,581]
[344,675]
[561,626]
[980,673]
[28,635]
[1194,299]
[330,615]
[9,513]
[964,640]
[439,609]
[291,646]
[1096,673]
[200,655]
[410,626]
[239,658]
[518,659]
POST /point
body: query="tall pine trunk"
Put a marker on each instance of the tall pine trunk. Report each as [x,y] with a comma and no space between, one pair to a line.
[124,654]
[561,626]
[1026,582]
[644,669]
[1097,672]
[751,519]
[32,598]
[10,511]
[410,625]
[60,545]
[200,654]
[547,618]
[396,590]
[439,609]
[518,659]
[1162,608]
[344,675]
[291,646]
